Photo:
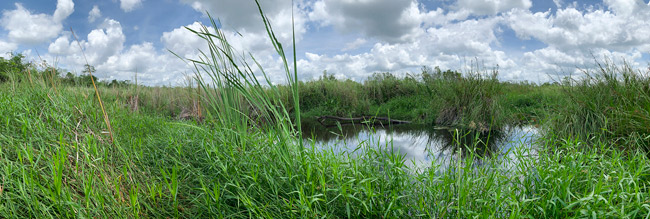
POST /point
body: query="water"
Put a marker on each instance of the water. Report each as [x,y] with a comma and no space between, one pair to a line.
[424,146]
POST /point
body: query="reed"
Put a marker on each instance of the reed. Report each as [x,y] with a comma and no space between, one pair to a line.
[609,103]
[92,79]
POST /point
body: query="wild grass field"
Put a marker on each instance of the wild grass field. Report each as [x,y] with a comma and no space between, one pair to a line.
[231,146]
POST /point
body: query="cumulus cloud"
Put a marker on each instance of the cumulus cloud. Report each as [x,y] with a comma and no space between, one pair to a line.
[572,29]
[27,28]
[451,45]
[354,44]
[244,16]
[105,49]
[183,42]
[552,63]
[394,35]
[187,45]
[64,8]
[94,14]
[104,42]
[628,7]
[100,44]
[230,12]
[140,57]
[61,46]
[130,5]
[6,48]
[574,37]
[388,20]
[492,7]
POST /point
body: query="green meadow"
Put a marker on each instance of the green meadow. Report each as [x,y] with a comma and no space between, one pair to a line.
[227,145]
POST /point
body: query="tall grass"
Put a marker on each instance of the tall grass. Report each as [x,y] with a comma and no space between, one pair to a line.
[99,97]
[470,101]
[611,102]
[235,96]
[474,100]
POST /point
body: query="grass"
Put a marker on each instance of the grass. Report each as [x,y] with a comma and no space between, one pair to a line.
[472,100]
[610,103]
[56,160]
[56,163]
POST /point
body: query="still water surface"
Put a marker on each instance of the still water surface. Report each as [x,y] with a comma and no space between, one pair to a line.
[424,146]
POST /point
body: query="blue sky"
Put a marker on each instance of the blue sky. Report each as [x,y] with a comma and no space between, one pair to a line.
[528,40]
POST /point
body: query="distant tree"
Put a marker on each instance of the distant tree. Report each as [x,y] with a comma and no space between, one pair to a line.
[566,81]
[327,77]
[429,74]
[12,65]
[89,69]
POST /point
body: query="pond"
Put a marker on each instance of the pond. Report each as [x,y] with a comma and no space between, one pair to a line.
[424,146]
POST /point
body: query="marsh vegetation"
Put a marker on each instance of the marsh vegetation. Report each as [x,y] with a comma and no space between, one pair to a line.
[228,145]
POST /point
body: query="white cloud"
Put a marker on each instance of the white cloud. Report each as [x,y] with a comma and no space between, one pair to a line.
[573,38]
[255,41]
[6,48]
[230,12]
[94,14]
[354,44]
[402,36]
[492,7]
[628,7]
[61,46]
[130,5]
[31,29]
[141,57]
[105,49]
[183,42]
[389,20]
[243,16]
[452,45]
[64,8]
[571,29]
[553,64]
[104,42]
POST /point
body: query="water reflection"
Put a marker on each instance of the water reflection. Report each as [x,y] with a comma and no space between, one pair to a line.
[424,146]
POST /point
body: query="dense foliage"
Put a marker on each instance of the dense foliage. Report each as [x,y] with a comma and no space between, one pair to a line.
[475,100]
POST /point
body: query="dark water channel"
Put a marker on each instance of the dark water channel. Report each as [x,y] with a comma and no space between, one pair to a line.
[425,146]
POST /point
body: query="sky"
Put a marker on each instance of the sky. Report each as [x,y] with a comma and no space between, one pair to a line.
[537,41]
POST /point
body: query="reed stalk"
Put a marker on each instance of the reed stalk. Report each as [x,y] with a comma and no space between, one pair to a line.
[99,98]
